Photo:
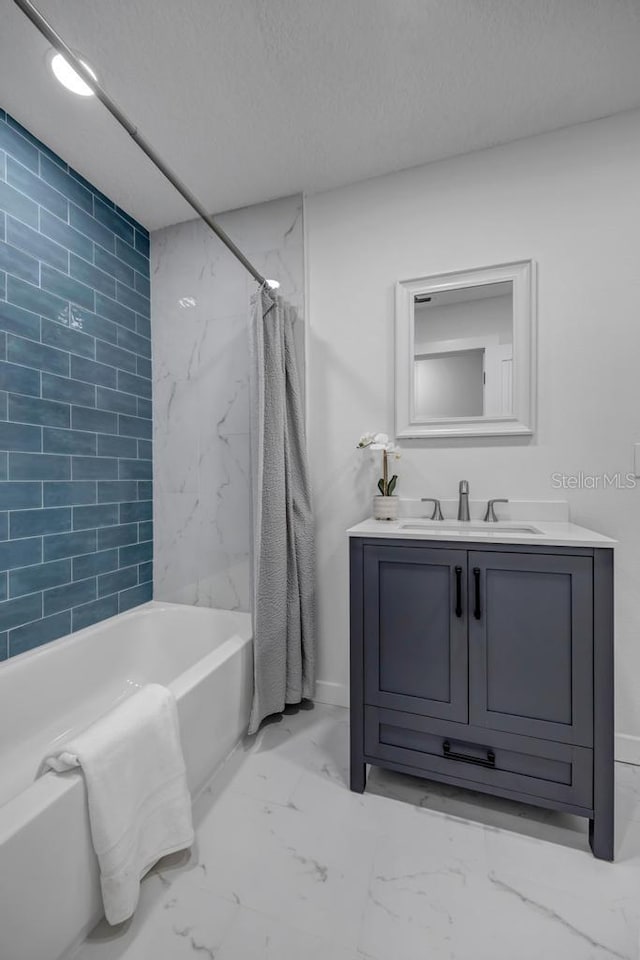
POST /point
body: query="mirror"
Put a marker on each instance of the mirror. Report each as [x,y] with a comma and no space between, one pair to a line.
[465,353]
[463,348]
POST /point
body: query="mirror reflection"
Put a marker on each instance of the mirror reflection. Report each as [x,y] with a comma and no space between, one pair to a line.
[463,352]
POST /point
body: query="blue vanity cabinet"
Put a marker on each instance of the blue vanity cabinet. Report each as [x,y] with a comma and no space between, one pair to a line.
[416,630]
[531,645]
[487,668]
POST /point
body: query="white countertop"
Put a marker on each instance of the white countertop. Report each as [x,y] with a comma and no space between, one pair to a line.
[553,534]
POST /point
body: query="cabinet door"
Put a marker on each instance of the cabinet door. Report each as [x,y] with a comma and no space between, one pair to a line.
[415,630]
[531,645]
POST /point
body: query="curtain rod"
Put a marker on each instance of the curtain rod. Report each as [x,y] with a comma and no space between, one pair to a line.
[56,41]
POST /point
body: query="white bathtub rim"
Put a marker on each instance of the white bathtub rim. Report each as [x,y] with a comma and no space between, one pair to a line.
[94,629]
[70,638]
[192,676]
[50,786]
[18,811]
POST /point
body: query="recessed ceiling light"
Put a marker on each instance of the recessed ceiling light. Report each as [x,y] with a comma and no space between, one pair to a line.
[67,76]
[186,302]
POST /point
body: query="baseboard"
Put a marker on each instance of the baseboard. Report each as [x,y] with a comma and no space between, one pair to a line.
[627,748]
[336,694]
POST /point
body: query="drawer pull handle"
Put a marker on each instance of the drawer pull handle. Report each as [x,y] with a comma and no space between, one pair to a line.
[458,591]
[477,610]
[488,761]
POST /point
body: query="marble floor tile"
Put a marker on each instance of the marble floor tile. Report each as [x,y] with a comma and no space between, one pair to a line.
[256,935]
[312,875]
[289,864]
[267,776]
[502,921]
[178,927]
[422,884]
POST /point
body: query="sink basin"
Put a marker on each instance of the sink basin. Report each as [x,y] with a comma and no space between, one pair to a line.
[460,527]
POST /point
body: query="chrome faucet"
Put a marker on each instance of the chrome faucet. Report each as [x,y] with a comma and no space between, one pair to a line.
[437,509]
[463,500]
[490,515]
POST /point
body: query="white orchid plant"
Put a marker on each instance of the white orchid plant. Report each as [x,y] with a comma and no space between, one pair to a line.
[380,441]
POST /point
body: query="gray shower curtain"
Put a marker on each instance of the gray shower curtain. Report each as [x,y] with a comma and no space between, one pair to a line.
[283,560]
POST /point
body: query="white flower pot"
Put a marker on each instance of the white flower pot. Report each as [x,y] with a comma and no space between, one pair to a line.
[385,508]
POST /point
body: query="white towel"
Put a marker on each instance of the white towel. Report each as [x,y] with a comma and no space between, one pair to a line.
[139,803]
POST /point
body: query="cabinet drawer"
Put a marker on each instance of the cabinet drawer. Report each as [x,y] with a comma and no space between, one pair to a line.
[481,759]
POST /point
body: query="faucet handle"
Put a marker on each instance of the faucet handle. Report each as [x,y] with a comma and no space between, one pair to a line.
[490,515]
[437,510]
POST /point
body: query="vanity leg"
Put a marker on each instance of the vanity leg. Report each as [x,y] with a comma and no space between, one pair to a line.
[601,836]
[358,775]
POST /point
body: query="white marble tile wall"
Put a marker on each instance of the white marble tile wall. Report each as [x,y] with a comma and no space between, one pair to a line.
[201,396]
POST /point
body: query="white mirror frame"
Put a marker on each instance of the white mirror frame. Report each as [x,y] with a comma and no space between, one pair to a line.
[521,422]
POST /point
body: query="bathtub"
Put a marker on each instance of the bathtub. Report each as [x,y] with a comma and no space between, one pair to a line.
[49,889]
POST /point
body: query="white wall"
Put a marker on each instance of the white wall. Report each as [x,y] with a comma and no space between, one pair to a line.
[571,201]
[202,501]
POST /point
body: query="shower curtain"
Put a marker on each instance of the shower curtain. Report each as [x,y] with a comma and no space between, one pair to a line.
[283,561]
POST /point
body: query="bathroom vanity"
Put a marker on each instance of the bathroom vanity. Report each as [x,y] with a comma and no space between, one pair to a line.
[482,656]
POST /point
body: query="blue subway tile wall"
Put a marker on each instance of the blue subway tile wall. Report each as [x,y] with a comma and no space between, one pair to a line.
[76,531]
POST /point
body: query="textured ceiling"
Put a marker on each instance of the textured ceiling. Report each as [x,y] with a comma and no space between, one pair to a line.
[253,99]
